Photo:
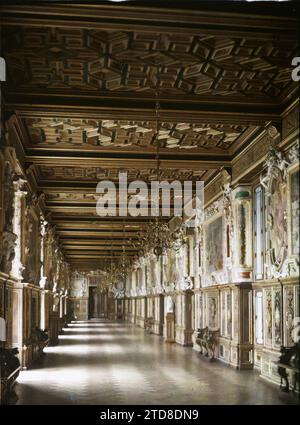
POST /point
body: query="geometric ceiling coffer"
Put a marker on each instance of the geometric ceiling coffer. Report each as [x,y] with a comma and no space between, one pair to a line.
[124,61]
[112,133]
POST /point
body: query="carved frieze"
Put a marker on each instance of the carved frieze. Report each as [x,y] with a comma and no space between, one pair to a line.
[290,122]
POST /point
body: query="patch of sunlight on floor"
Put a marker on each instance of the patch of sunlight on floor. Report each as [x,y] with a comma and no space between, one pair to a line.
[102,362]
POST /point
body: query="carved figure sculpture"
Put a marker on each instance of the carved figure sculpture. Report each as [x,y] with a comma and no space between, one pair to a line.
[212,342]
[9,361]
[201,339]
[287,353]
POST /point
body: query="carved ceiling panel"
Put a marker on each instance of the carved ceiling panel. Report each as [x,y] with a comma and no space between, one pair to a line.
[116,133]
[96,174]
[69,59]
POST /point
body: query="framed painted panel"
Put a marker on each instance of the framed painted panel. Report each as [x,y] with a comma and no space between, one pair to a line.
[214,250]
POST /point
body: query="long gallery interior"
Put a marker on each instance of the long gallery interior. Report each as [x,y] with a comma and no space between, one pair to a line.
[193,308]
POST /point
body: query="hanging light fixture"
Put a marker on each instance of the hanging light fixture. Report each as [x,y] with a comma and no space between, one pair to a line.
[124,262]
[158,236]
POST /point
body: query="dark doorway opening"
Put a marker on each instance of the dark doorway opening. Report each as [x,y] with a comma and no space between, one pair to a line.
[91,302]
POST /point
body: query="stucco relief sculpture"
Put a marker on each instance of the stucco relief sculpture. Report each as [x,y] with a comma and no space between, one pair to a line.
[274,180]
[170,272]
[186,284]
[118,290]
[29,273]
[7,253]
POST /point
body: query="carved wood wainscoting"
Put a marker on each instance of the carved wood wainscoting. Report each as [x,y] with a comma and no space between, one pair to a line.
[141,311]
[227,309]
[80,308]
[183,318]
[280,302]
[6,306]
[158,314]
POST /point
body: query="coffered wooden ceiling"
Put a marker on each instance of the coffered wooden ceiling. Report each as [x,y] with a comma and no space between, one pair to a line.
[81,79]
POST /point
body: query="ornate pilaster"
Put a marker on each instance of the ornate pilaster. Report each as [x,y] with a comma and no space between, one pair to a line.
[242,211]
[17,265]
[228,228]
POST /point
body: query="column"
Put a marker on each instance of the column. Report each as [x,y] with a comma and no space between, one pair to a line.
[17,266]
[242,210]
